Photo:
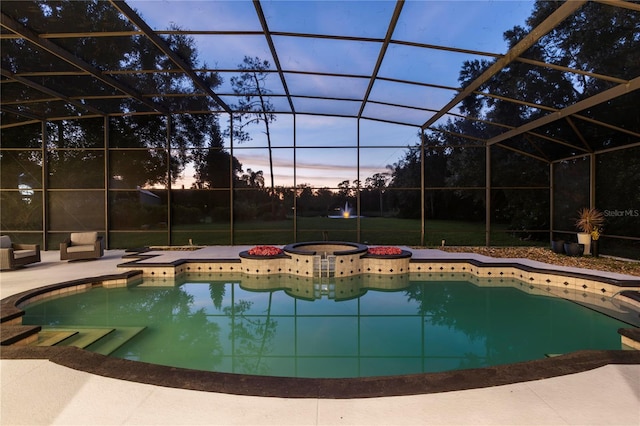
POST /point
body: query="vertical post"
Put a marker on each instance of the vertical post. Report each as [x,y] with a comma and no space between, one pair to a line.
[422,188]
[358,233]
[106,136]
[487,196]
[295,183]
[45,186]
[231,231]
[592,180]
[552,189]
[169,221]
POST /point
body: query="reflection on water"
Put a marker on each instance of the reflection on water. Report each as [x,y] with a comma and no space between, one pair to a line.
[352,327]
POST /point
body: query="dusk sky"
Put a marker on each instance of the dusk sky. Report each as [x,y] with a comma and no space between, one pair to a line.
[471,25]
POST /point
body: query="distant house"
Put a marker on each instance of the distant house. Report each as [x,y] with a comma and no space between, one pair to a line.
[148,197]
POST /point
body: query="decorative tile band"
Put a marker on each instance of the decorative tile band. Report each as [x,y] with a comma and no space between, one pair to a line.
[325,259]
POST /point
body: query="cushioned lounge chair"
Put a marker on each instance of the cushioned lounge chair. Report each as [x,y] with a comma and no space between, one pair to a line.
[82,245]
[13,255]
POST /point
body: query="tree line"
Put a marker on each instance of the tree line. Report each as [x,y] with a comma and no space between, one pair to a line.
[597,40]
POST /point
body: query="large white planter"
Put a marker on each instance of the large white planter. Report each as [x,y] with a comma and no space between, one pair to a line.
[585,238]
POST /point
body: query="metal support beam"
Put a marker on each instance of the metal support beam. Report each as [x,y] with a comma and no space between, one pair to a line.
[607,125]
[19,124]
[621,3]
[559,15]
[527,137]
[553,110]
[383,51]
[618,148]
[578,133]
[592,180]
[231,196]
[169,200]
[422,189]
[594,100]
[127,11]
[295,182]
[54,49]
[107,180]
[16,111]
[274,52]
[552,188]
[358,211]
[526,154]
[487,195]
[45,186]
[50,92]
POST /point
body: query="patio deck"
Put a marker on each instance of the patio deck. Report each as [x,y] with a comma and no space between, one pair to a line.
[38,391]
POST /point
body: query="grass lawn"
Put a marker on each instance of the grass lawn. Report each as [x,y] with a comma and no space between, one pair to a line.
[373,231]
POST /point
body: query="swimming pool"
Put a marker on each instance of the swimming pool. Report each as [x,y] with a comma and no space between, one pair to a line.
[360,326]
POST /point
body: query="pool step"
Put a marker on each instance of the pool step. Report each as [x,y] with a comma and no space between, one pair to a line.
[117,338]
[100,340]
[81,337]
[50,337]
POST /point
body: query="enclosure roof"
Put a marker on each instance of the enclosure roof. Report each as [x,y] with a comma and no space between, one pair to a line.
[395,62]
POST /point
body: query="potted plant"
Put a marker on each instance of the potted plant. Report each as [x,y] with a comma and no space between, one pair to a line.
[588,219]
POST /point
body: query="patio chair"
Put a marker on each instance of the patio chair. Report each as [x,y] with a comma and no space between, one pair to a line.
[13,255]
[82,245]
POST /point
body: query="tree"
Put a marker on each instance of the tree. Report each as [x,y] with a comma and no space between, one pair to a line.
[345,190]
[378,182]
[253,179]
[305,198]
[188,130]
[253,102]
[325,198]
[214,165]
[405,179]
[113,54]
[569,44]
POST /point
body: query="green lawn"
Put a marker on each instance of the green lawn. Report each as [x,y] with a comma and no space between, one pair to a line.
[373,231]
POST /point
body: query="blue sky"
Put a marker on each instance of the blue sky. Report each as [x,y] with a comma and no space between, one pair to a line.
[473,25]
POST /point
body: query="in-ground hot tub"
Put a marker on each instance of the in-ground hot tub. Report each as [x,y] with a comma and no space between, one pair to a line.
[326,248]
[327,259]
[343,259]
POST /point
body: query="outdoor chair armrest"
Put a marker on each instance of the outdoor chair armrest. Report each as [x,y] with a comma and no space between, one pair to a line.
[6,257]
[35,247]
[64,245]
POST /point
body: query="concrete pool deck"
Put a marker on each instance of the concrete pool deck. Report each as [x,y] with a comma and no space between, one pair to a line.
[37,391]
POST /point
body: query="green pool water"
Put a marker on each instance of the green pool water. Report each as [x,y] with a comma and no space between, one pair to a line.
[333,331]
